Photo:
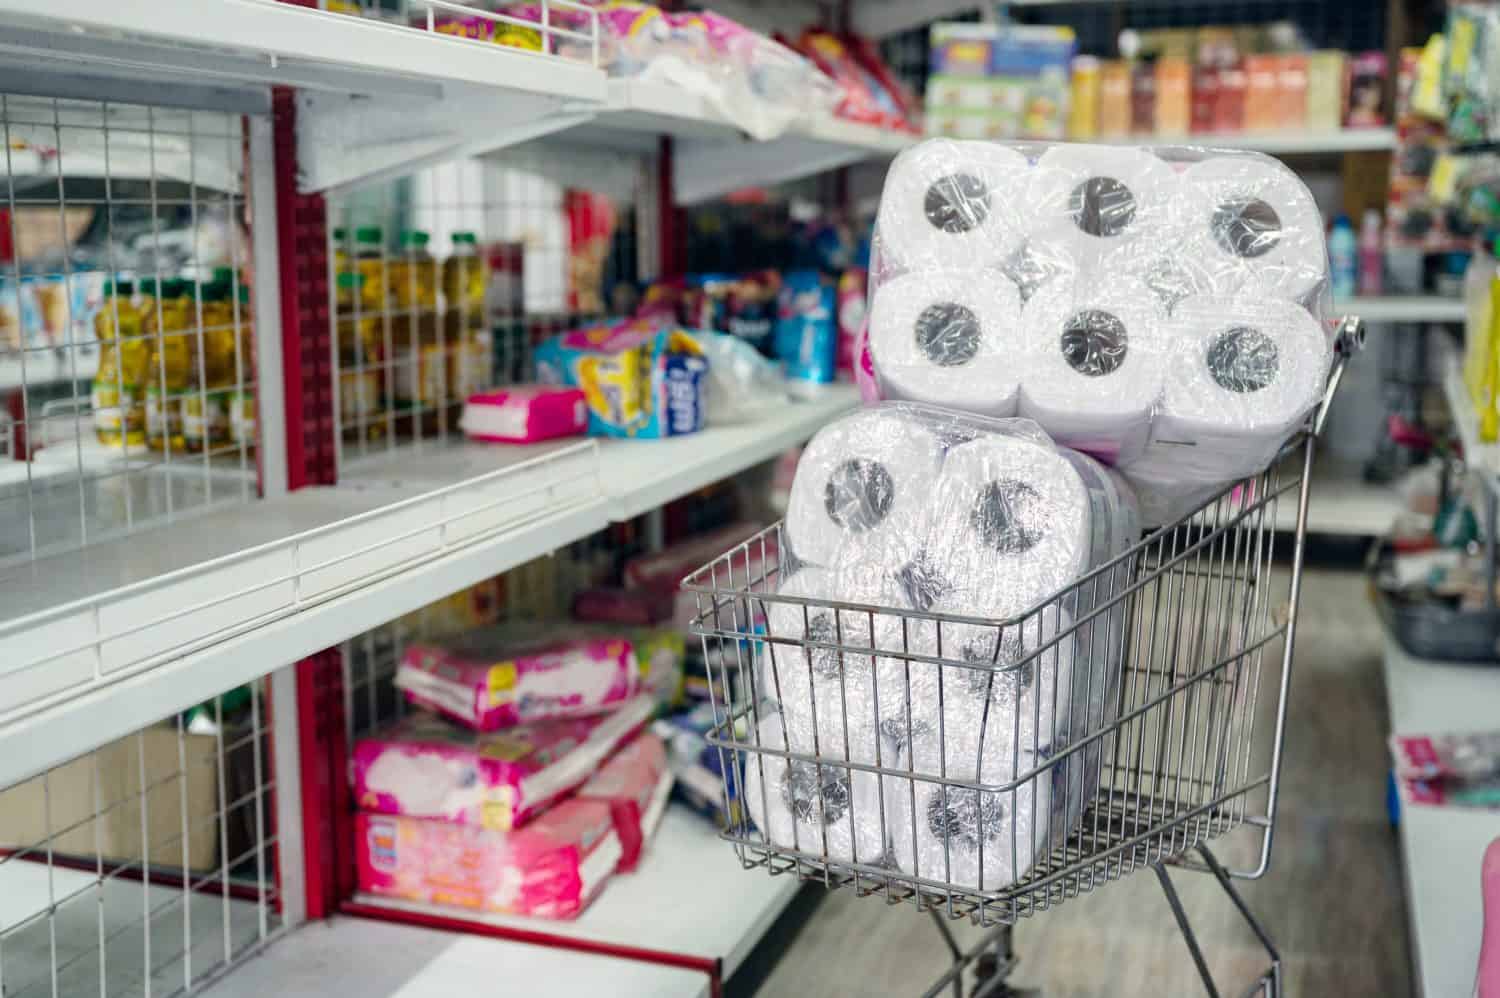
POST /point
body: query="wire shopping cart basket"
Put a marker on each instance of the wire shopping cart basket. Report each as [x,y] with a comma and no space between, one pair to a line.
[1129,734]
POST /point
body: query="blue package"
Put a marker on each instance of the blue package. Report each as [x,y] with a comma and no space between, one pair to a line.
[807,327]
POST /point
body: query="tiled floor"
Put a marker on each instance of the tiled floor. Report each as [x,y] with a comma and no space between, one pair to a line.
[1332,899]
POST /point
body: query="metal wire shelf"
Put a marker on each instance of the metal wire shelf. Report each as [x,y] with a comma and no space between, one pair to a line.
[1119,729]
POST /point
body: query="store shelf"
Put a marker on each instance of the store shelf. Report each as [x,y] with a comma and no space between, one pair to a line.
[376,97]
[703,904]
[1482,458]
[371,959]
[1441,848]
[1342,504]
[1292,143]
[1403,308]
[124,632]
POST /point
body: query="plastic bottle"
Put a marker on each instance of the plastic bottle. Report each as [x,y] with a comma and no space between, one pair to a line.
[205,414]
[1371,255]
[242,400]
[1343,259]
[116,396]
[340,250]
[414,273]
[465,276]
[169,366]
[369,260]
[1477,326]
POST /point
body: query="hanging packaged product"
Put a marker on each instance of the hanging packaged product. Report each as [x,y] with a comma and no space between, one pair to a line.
[640,378]
[426,767]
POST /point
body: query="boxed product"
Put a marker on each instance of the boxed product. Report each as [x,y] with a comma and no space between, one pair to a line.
[552,868]
[424,767]
[524,414]
[497,678]
[1114,99]
[1367,75]
[1174,102]
[640,378]
[635,783]
[1326,74]
[1262,92]
[661,572]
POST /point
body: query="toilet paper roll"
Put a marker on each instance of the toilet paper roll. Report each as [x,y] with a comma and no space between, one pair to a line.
[1090,199]
[1242,377]
[826,810]
[828,695]
[1009,522]
[861,484]
[1253,224]
[1092,364]
[951,204]
[1037,264]
[948,338]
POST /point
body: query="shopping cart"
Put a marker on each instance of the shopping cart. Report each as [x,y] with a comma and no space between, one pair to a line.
[1153,746]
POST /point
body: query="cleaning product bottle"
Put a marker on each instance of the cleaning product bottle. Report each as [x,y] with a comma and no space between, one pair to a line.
[369,260]
[169,366]
[1343,259]
[1371,255]
[414,273]
[115,396]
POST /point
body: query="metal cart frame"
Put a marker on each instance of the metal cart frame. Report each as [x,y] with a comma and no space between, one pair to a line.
[1152,745]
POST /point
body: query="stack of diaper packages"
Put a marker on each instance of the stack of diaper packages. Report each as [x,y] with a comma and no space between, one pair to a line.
[520,782]
[936,622]
[1159,310]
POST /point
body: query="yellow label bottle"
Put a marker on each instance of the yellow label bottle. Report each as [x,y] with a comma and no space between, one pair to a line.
[465,278]
[242,412]
[170,365]
[205,413]
[370,262]
[414,273]
[115,396]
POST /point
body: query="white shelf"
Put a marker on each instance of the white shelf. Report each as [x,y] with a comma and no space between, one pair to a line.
[374,97]
[703,904]
[1342,504]
[371,959]
[1403,308]
[98,642]
[1441,848]
[1293,143]
[1482,458]
[713,156]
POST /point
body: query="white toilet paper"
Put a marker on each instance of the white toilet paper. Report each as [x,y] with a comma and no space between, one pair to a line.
[827,692]
[1252,222]
[1038,263]
[1095,198]
[948,338]
[825,810]
[951,204]
[1242,377]
[861,484]
[1093,363]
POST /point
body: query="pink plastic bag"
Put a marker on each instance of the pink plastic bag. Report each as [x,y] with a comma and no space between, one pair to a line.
[635,783]
[493,679]
[523,414]
[426,768]
[552,868]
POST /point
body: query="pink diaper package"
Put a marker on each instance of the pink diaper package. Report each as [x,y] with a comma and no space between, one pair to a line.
[424,767]
[524,414]
[499,677]
[635,783]
[552,868]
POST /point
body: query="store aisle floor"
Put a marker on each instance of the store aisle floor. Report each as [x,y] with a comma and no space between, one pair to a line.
[1332,900]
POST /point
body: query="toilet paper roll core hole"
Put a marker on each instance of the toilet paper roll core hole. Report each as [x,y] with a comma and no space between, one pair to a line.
[1094,342]
[1102,206]
[947,334]
[1005,514]
[1243,360]
[814,793]
[1246,227]
[957,203]
[965,818]
[858,494]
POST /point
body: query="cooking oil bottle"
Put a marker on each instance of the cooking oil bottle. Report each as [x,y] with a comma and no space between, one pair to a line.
[116,394]
[170,365]
[360,352]
[205,413]
[414,273]
[369,261]
[242,399]
[465,277]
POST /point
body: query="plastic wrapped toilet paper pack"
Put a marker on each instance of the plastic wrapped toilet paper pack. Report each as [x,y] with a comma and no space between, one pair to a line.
[860,485]
[826,810]
[1103,245]
[949,338]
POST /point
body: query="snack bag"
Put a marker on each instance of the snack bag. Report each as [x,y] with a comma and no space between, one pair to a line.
[640,379]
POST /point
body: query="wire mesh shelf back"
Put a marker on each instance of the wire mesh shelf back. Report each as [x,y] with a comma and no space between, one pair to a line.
[995,768]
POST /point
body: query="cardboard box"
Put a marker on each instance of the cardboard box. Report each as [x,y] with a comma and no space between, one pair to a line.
[1262,96]
[965,50]
[1325,91]
[1174,98]
[1291,92]
[1114,99]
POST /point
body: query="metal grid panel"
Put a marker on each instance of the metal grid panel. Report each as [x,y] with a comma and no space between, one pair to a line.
[1128,701]
[423,320]
[135,406]
[148,866]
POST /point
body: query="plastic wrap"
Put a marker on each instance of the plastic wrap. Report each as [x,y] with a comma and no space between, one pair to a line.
[1174,302]
[501,677]
[635,783]
[552,868]
[424,767]
[942,623]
